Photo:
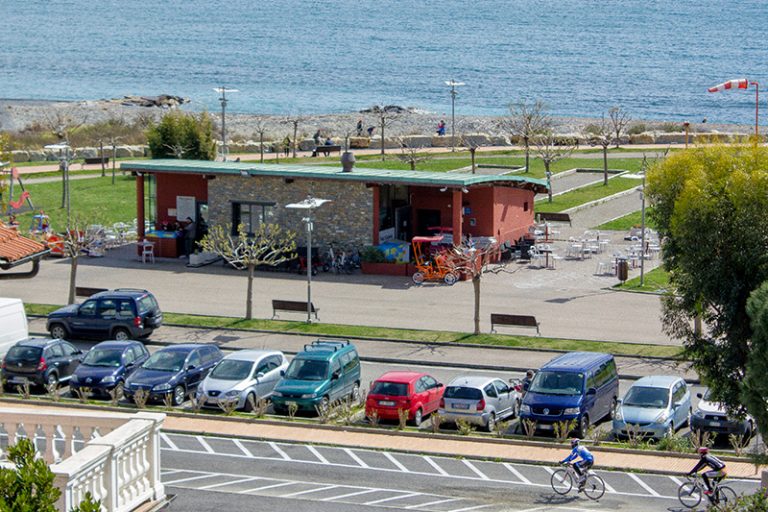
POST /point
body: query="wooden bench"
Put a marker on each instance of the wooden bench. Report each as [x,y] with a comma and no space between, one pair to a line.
[514,320]
[83,291]
[327,150]
[292,305]
[555,217]
[96,160]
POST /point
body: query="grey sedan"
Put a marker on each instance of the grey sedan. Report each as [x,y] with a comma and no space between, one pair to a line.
[244,376]
[479,400]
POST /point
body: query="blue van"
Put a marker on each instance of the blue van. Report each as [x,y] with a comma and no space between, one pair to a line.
[579,385]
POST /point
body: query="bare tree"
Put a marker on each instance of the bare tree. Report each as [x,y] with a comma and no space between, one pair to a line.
[385,117]
[527,120]
[260,128]
[270,245]
[475,262]
[619,120]
[411,154]
[294,120]
[550,149]
[77,240]
[62,122]
[178,150]
[603,135]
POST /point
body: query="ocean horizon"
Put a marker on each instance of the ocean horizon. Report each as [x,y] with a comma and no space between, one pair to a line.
[655,59]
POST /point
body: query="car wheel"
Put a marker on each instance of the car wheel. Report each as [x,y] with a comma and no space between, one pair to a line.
[418,416]
[491,425]
[583,426]
[119,390]
[450,278]
[250,402]
[121,334]
[179,394]
[355,393]
[670,430]
[612,412]
[516,409]
[418,278]
[58,331]
[52,380]
[324,405]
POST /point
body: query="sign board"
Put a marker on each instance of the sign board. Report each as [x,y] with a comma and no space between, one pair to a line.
[385,235]
[185,207]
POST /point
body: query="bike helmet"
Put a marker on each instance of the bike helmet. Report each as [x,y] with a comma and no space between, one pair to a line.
[574,442]
[703,450]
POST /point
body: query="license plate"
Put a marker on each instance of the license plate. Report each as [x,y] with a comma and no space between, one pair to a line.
[386,402]
[289,404]
[17,380]
[461,406]
[544,427]
[714,423]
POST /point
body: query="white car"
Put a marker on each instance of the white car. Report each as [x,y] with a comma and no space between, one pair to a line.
[711,417]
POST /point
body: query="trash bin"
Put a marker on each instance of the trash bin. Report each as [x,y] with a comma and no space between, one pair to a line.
[622,270]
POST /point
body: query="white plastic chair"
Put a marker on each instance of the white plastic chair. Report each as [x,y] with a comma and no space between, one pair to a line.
[147,252]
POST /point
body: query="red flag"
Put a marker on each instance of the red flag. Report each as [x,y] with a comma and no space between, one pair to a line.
[741,83]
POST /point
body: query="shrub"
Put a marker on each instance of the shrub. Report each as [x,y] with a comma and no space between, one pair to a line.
[29,485]
[371,254]
[637,129]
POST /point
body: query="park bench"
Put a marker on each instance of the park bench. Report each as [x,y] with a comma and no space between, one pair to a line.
[84,291]
[292,305]
[327,150]
[554,217]
[96,159]
[514,320]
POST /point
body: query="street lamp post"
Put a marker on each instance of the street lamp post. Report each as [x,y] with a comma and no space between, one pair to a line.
[223,90]
[453,85]
[65,170]
[309,205]
[641,189]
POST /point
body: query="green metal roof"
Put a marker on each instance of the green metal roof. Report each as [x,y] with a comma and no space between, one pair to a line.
[316,172]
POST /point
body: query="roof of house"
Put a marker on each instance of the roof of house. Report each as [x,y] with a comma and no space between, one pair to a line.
[315,172]
[16,249]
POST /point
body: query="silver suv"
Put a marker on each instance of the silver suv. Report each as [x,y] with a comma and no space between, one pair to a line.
[479,400]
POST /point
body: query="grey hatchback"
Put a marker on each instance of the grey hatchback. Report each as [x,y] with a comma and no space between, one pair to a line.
[479,400]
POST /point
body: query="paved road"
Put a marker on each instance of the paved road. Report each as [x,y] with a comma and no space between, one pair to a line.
[281,476]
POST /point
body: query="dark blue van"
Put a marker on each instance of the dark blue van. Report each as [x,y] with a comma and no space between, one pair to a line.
[579,385]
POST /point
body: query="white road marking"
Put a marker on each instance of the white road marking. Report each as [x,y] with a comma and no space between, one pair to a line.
[608,487]
[644,485]
[512,469]
[189,479]
[357,459]
[231,482]
[349,495]
[393,498]
[436,502]
[255,489]
[469,508]
[168,441]
[325,488]
[435,465]
[242,447]
[676,480]
[396,463]
[204,444]
[279,451]
[474,469]
[317,454]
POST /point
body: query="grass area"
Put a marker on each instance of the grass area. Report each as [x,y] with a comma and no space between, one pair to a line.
[94,199]
[354,331]
[656,281]
[584,195]
[628,222]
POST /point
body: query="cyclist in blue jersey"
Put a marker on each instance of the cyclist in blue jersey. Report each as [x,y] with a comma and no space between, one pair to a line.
[581,466]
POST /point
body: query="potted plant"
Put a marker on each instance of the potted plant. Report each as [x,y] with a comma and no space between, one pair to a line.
[374,261]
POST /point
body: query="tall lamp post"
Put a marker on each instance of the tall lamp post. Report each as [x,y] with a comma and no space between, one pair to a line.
[641,189]
[453,84]
[223,91]
[309,205]
[62,146]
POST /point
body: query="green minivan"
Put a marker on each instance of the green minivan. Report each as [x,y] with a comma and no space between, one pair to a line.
[325,371]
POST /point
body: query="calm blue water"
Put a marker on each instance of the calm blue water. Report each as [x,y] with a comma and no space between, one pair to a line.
[655,58]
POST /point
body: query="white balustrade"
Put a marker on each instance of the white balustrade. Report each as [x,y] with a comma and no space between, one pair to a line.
[118,461]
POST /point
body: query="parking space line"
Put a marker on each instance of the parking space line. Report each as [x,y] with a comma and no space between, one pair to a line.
[435,465]
[232,482]
[168,441]
[436,502]
[349,495]
[643,484]
[204,444]
[243,449]
[279,450]
[166,472]
[317,454]
[676,480]
[281,484]
[393,498]
[608,487]
[474,469]
[396,463]
[512,469]
[325,488]
[189,479]
[357,459]
[469,508]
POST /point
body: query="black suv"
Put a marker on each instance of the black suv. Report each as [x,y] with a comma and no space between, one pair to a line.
[40,362]
[121,314]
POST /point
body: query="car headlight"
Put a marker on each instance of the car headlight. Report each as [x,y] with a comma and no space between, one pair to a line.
[661,418]
[571,410]
[525,409]
[108,379]
[233,392]
[698,413]
[619,414]
[277,393]
[74,378]
[162,387]
[309,395]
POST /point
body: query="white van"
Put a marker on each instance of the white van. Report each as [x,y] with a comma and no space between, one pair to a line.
[13,323]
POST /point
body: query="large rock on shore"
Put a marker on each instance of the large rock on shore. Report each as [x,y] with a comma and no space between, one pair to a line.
[417,141]
[359,142]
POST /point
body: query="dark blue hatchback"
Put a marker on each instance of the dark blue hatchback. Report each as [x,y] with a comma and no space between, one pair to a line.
[107,365]
[175,371]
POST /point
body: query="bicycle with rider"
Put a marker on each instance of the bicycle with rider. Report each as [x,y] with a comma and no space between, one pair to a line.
[716,469]
[581,466]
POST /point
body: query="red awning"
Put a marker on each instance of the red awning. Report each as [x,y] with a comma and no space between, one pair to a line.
[425,239]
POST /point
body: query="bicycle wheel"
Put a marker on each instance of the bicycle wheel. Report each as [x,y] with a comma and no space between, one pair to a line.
[725,496]
[689,495]
[561,481]
[594,487]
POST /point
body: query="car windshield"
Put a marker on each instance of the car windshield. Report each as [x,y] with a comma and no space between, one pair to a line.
[170,361]
[232,369]
[638,396]
[103,357]
[307,369]
[557,383]
[389,388]
[463,393]
[24,353]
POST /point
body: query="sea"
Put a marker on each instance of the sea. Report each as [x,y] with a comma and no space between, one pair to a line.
[654,58]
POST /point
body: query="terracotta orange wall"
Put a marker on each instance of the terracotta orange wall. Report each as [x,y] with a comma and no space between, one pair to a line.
[481,208]
[511,222]
[429,198]
[171,185]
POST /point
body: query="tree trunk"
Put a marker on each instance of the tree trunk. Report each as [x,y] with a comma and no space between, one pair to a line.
[472,153]
[527,153]
[63,186]
[413,164]
[72,279]
[249,298]
[383,125]
[261,147]
[101,154]
[605,165]
[295,131]
[549,180]
[476,288]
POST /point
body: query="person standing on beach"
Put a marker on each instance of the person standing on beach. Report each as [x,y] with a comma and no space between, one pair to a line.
[370,130]
[316,138]
[287,146]
[441,128]
[359,127]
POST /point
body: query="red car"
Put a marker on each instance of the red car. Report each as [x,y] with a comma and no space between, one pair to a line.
[418,393]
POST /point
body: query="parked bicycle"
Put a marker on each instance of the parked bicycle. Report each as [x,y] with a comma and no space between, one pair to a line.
[340,261]
[563,480]
[691,492]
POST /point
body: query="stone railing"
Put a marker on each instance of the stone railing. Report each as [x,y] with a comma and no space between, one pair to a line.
[115,457]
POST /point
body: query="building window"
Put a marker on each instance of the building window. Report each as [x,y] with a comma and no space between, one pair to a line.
[251,215]
[525,206]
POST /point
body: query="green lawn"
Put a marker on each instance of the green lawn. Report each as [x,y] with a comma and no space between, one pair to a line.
[629,221]
[656,281]
[584,195]
[354,331]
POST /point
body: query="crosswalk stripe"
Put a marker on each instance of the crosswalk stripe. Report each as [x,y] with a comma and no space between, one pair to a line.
[281,484]
[242,447]
[435,465]
[349,495]
[168,441]
[475,470]
[643,484]
[355,457]
[676,480]
[279,450]
[309,491]
[393,498]
[317,454]
[231,482]
[188,479]
[204,444]
[512,469]
[396,462]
